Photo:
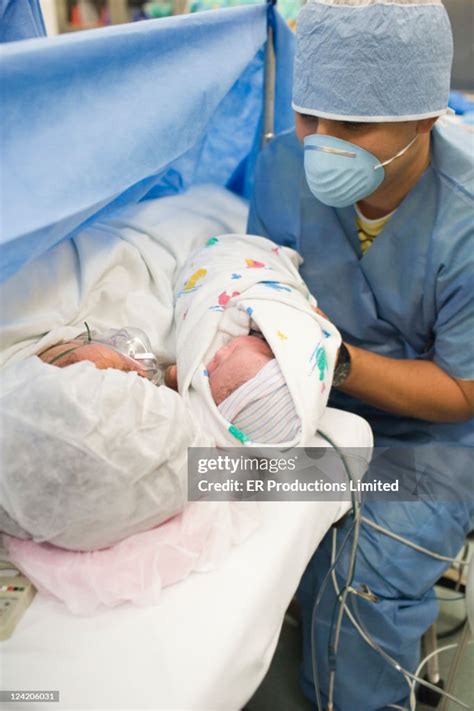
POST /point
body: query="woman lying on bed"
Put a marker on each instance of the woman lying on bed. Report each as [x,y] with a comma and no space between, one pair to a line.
[93,456]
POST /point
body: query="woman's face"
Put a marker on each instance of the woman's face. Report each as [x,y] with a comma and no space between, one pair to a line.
[234,364]
[101,355]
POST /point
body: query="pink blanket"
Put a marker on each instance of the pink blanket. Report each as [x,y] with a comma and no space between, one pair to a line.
[137,568]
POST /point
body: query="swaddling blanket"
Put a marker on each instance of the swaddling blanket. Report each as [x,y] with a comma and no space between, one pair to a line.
[236,283]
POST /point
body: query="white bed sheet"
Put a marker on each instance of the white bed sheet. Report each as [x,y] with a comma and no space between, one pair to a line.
[210,641]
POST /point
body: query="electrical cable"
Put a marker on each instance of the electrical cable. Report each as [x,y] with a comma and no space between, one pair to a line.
[342,603]
[354,617]
[409,676]
[314,617]
[420,549]
[422,664]
[465,557]
[333,645]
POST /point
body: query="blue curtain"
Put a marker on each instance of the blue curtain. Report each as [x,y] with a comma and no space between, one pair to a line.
[96,119]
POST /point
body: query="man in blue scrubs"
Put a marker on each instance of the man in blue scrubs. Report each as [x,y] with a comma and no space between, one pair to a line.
[377,195]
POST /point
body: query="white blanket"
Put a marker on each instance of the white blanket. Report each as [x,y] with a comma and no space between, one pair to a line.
[116,272]
[238,282]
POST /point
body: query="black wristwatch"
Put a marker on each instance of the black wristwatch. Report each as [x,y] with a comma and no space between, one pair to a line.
[343,366]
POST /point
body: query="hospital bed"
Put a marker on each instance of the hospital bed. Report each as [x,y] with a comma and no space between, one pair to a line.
[209,642]
[216,630]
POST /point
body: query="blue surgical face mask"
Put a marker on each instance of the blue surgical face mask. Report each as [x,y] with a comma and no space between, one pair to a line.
[340,173]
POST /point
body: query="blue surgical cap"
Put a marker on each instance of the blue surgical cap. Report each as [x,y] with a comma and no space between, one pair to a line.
[372,60]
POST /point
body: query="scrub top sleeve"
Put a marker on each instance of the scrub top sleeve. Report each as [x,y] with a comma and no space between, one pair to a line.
[454,326]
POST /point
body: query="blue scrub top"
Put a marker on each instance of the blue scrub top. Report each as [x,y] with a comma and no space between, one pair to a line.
[412,294]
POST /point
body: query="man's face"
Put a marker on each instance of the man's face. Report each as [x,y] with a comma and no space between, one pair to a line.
[234,364]
[383,140]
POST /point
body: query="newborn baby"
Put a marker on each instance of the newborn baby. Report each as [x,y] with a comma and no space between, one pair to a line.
[249,389]
[254,357]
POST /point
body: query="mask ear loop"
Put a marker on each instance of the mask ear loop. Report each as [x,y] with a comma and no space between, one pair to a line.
[400,153]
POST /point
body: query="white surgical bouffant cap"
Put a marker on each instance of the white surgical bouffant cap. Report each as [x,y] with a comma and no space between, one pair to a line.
[373,60]
[90,457]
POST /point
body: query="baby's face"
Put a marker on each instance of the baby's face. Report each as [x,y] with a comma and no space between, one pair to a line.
[234,364]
